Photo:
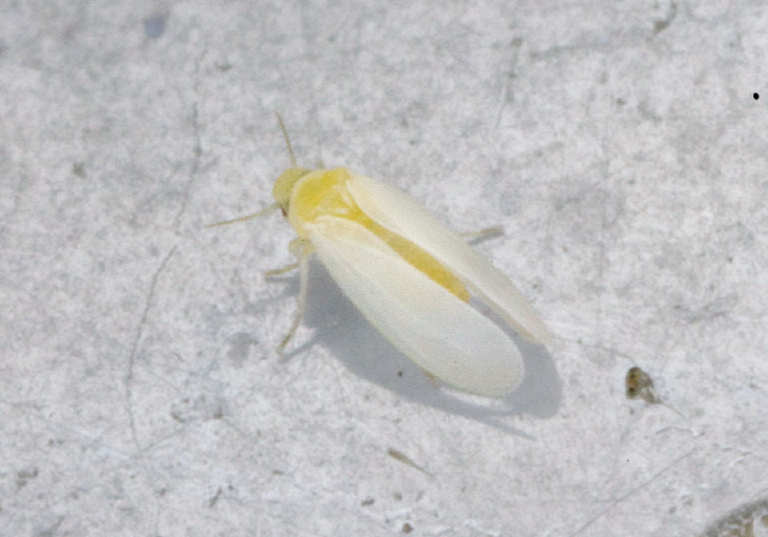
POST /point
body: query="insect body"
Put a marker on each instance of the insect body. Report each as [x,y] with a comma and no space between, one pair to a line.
[409,275]
[639,384]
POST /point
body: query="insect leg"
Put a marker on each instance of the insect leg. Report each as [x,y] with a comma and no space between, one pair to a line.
[302,249]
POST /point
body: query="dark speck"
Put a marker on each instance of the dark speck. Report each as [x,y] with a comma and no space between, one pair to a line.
[154,26]
[78,168]
[659,26]
[25,475]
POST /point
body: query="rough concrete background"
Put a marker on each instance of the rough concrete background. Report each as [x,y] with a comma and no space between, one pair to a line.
[618,142]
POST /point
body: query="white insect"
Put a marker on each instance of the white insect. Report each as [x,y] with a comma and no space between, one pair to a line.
[408,274]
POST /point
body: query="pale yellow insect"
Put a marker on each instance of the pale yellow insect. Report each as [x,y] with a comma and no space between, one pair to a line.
[408,274]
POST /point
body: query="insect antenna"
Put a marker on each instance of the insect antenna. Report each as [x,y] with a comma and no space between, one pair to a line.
[294,164]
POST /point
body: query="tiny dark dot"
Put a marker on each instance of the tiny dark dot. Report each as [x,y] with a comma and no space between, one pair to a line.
[78,168]
[154,26]
[756,96]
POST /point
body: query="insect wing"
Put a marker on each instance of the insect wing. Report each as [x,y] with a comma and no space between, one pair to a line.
[441,333]
[399,212]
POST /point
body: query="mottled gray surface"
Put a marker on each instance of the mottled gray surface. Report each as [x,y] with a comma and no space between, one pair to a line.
[618,142]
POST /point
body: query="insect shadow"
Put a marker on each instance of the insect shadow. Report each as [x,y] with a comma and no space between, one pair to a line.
[339,327]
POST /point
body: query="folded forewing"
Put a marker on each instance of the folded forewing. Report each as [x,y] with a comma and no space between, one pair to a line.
[442,334]
[399,212]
